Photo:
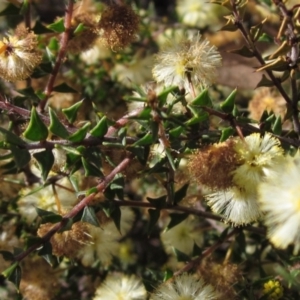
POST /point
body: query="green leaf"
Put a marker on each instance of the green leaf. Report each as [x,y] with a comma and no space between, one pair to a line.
[8,256]
[71,112]
[256,31]
[197,119]
[33,241]
[228,104]
[80,28]
[116,216]
[92,190]
[180,256]
[80,134]
[202,99]
[145,114]
[90,169]
[244,51]
[39,28]
[181,193]
[46,253]
[11,138]
[176,132]
[56,127]
[58,26]
[36,129]
[226,133]
[145,140]
[64,88]
[167,275]
[21,156]
[45,161]
[154,215]
[13,274]
[176,219]
[30,93]
[265,82]
[48,216]
[163,95]
[159,202]
[277,126]
[170,158]
[89,216]
[101,128]
[266,38]
[10,10]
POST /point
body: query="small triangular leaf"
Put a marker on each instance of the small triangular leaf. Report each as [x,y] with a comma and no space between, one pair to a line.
[58,26]
[71,112]
[89,216]
[56,127]
[36,129]
[101,128]
[80,134]
[45,161]
[154,215]
[64,88]
[176,219]
[228,105]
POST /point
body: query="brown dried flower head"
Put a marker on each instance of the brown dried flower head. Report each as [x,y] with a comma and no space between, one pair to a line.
[118,25]
[85,39]
[39,280]
[212,166]
[19,54]
[67,243]
[222,276]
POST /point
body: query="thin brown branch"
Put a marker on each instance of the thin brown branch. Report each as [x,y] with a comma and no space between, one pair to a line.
[61,55]
[194,262]
[75,210]
[188,210]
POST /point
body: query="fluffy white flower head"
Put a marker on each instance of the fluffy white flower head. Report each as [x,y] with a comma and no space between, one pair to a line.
[185,287]
[258,155]
[279,197]
[191,60]
[236,205]
[121,287]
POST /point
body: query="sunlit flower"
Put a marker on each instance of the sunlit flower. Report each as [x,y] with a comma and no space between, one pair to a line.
[121,287]
[104,243]
[236,205]
[19,55]
[198,13]
[279,199]
[186,287]
[183,236]
[188,61]
[257,155]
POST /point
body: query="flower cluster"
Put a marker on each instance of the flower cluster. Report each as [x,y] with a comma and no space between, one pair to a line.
[234,169]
